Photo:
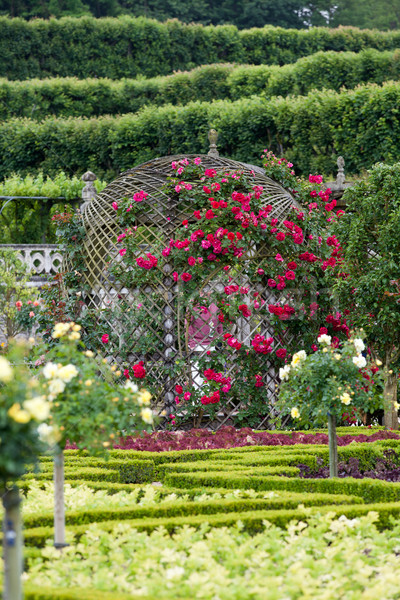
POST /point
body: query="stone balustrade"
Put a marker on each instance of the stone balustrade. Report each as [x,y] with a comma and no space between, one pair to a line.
[43,260]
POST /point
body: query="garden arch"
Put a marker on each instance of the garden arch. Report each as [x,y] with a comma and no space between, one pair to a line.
[164,322]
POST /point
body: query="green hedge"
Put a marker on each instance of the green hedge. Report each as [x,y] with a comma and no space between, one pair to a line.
[71,97]
[180,509]
[34,593]
[371,490]
[360,124]
[253,521]
[127,47]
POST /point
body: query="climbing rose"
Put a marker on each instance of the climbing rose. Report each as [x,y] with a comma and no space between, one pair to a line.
[244,309]
[139,371]
[105,338]
[186,277]
[281,353]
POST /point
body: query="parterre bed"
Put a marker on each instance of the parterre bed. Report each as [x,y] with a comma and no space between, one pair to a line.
[267,476]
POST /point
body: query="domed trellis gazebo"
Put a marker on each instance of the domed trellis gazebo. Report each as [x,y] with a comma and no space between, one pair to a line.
[165,323]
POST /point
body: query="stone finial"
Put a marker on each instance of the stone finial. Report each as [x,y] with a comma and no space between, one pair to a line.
[213,137]
[89,191]
[340,177]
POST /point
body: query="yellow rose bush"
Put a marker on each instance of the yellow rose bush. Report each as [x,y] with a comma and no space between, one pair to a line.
[88,406]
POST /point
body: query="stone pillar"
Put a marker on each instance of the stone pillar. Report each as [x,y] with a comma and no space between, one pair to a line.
[89,191]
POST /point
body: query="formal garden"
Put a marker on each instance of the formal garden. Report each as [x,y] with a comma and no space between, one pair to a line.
[198,395]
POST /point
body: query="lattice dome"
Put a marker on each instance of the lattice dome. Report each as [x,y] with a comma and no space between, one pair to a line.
[166,321]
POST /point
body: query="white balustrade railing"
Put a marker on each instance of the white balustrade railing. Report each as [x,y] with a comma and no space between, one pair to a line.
[43,260]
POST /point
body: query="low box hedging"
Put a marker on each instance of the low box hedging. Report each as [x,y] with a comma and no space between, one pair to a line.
[253,521]
[127,46]
[371,490]
[33,593]
[309,130]
[172,509]
[71,97]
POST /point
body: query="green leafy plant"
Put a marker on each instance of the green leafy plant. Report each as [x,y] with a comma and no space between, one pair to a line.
[367,276]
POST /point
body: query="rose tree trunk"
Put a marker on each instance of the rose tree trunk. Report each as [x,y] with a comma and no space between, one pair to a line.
[390,397]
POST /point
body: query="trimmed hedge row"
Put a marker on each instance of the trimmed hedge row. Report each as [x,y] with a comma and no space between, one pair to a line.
[127,47]
[253,521]
[371,490]
[180,509]
[362,124]
[71,97]
[34,593]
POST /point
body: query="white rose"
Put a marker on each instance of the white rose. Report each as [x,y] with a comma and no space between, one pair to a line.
[297,358]
[324,339]
[131,386]
[359,361]
[284,372]
[345,398]
[38,408]
[359,345]
[67,373]
[56,386]
[6,372]
[48,434]
[144,398]
[146,415]
[50,370]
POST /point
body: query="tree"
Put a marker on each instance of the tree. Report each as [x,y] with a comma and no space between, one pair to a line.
[384,14]
[369,269]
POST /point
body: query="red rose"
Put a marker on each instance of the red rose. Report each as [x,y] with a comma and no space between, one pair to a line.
[105,338]
[290,275]
[209,214]
[280,236]
[191,261]
[186,277]
[178,389]
[292,265]
[281,353]
[139,371]
[244,309]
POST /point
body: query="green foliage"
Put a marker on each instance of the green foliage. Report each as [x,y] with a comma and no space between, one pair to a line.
[310,130]
[69,188]
[21,410]
[127,47]
[371,254]
[215,562]
[14,294]
[71,97]
[31,221]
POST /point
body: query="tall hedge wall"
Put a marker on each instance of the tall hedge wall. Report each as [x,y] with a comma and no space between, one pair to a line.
[127,47]
[362,124]
[38,98]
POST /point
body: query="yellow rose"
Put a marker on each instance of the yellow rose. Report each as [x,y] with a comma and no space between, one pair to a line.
[18,415]
[6,373]
[146,415]
[144,398]
[37,408]
[295,414]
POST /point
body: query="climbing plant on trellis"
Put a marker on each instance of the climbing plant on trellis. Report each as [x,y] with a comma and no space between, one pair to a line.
[203,281]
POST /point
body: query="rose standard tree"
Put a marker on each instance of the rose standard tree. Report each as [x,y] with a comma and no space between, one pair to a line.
[88,407]
[22,409]
[316,388]
[369,269]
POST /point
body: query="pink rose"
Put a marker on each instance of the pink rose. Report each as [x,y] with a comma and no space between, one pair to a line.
[114,205]
[105,338]
[191,261]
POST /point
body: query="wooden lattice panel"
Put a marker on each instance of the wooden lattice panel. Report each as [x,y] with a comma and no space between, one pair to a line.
[165,318]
